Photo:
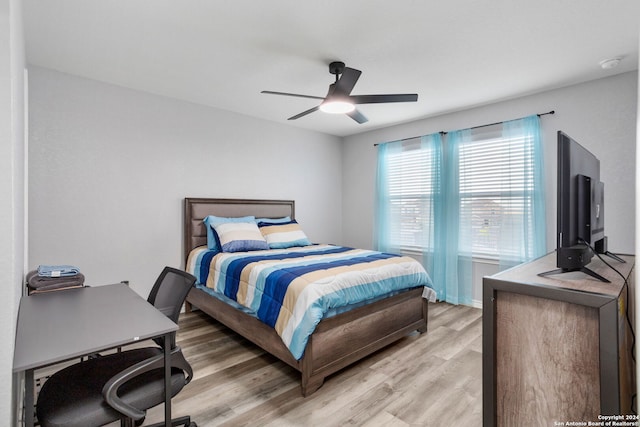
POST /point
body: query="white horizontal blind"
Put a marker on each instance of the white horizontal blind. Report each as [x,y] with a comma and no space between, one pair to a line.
[412,178]
[494,173]
[495,181]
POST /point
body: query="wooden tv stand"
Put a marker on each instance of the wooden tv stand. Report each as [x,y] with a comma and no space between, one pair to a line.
[557,348]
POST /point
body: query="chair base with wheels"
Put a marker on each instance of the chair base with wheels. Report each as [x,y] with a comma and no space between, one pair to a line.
[73,397]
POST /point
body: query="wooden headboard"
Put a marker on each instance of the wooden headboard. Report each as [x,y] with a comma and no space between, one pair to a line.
[196,209]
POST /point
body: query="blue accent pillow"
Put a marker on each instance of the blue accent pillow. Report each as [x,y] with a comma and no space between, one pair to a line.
[210,221]
[274,220]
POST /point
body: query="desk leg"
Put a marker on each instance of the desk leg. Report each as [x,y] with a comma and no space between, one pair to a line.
[167,380]
[28,398]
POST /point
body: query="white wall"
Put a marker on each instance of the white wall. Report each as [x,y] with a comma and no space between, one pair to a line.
[12,167]
[601,115]
[109,168]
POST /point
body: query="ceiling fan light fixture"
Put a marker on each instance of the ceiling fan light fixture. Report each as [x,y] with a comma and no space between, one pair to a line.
[337,107]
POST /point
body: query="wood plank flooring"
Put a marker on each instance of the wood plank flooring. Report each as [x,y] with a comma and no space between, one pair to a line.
[432,379]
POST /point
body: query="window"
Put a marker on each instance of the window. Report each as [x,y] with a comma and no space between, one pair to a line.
[496,175]
[412,179]
[485,183]
[469,194]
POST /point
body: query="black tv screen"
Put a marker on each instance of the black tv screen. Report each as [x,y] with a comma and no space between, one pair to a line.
[580,205]
[580,192]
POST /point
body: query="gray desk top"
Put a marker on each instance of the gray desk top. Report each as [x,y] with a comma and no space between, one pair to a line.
[57,326]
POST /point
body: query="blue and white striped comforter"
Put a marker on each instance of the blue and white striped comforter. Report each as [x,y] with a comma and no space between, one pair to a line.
[292,289]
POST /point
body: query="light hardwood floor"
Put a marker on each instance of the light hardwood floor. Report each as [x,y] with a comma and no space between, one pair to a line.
[431,379]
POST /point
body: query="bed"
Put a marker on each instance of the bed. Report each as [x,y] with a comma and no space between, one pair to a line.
[337,341]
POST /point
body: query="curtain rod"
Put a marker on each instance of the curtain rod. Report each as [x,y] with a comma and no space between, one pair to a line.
[475,127]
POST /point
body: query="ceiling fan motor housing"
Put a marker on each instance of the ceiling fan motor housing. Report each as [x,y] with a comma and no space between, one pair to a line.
[336,67]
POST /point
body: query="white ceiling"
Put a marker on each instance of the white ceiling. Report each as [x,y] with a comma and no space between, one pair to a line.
[455,54]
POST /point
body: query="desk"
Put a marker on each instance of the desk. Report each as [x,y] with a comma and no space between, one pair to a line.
[58,326]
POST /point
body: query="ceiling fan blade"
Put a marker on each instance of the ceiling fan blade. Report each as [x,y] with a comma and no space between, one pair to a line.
[304,113]
[380,99]
[270,92]
[347,81]
[357,116]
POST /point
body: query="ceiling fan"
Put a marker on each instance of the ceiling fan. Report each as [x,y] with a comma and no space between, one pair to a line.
[339,98]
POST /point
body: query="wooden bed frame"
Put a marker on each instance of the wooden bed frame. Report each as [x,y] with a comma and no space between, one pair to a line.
[337,341]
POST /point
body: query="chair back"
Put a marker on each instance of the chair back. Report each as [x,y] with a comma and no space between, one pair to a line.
[170,291]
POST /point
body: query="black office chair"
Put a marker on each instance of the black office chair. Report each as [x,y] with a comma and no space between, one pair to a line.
[121,386]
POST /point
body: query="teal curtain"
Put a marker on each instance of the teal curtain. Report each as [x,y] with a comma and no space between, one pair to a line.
[526,238]
[451,269]
[384,220]
[442,237]
[435,212]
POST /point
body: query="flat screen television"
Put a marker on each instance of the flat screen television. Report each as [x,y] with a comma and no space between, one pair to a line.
[580,228]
